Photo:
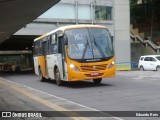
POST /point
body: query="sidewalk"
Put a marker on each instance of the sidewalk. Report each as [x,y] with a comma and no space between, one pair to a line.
[12,100]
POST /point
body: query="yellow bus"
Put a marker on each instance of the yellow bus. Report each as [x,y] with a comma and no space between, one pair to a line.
[74,53]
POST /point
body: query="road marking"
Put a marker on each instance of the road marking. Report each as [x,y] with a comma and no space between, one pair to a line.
[44,102]
[140,77]
[50,104]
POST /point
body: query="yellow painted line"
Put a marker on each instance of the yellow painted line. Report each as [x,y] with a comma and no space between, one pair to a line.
[44,102]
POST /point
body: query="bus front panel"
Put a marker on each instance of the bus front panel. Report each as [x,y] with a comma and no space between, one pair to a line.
[92,70]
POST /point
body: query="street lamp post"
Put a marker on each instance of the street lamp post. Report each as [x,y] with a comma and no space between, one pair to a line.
[151,19]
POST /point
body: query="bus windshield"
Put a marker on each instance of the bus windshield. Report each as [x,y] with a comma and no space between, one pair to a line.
[89,43]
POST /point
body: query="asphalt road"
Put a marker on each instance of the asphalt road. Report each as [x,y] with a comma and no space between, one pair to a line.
[128,91]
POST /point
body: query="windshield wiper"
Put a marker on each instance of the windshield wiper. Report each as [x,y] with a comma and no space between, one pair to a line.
[99,47]
[84,51]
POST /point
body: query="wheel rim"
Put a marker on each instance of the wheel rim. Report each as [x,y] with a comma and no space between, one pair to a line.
[40,74]
[58,81]
[57,76]
[158,68]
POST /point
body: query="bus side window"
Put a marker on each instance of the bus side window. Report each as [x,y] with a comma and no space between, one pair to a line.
[53,44]
[48,44]
[39,47]
[35,50]
[45,46]
[60,44]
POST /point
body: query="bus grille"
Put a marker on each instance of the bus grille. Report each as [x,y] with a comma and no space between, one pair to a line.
[93,68]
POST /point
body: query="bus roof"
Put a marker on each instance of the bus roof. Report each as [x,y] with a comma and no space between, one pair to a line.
[63,28]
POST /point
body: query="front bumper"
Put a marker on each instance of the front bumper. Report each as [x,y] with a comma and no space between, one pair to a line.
[79,75]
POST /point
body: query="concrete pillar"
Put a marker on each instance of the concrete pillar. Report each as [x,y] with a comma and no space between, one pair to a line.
[122,34]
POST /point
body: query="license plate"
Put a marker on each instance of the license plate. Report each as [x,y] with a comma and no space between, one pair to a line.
[94,74]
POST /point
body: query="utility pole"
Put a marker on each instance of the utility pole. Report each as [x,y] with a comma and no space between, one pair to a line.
[151,19]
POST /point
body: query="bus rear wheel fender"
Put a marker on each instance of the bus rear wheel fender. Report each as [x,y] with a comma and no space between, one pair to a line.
[59,82]
[54,71]
[41,78]
[97,81]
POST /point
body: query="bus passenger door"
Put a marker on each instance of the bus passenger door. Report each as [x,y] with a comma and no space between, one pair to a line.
[44,66]
[61,58]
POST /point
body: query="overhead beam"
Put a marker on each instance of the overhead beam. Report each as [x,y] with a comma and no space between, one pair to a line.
[15,14]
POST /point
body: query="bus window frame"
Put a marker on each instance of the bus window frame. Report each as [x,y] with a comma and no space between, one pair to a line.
[45,49]
[37,48]
[94,59]
[52,44]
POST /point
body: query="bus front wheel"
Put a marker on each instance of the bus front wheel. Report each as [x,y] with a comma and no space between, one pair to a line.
[42,79]
[58,78]
[97,81]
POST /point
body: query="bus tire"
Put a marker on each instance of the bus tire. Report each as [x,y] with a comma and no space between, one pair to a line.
[97,81]
[42,79]
[59,82]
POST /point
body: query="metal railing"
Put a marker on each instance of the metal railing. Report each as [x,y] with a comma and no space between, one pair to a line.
[150,43]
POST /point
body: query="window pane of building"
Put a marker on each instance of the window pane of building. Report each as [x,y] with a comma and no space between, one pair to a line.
[103,13]
[84,12]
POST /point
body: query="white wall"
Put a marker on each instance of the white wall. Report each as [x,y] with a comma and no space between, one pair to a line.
[60,11]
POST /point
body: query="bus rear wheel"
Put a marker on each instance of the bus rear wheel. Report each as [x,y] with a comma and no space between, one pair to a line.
[42,79]
[58,78]
[97,81]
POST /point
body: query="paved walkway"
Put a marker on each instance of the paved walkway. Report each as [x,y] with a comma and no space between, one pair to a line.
[22,101]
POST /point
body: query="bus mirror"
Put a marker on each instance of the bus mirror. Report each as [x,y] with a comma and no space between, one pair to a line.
[60,34]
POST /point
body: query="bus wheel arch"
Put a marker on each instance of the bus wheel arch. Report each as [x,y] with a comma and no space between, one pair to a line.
[59,82]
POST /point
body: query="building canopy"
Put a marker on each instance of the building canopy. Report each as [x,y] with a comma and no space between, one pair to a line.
[15,14]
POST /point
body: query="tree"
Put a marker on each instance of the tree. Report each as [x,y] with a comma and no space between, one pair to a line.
[146,8]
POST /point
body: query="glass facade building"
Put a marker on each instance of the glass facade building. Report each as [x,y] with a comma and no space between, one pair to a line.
[111,13]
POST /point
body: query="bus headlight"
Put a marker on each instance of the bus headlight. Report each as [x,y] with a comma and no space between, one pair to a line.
[75,68]
[111,65]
